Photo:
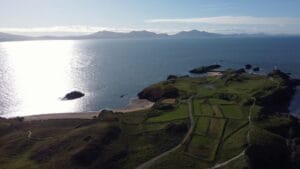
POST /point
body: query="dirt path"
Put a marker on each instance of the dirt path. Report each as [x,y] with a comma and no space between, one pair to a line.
[228,161]
[187,136]
[29,134]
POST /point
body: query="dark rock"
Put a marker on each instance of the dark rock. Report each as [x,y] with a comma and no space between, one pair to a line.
[240,71]
[123,95]
[278,73]
[205,69]
[108,115]
[256,69]
[248,66]
[156,93]
[171,77]
[73,95]
[170,92]
[151,93]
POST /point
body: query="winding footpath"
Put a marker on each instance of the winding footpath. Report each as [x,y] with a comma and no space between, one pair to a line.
[29,134]
[187,136]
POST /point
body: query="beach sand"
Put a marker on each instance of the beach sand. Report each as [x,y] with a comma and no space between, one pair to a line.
[134,105]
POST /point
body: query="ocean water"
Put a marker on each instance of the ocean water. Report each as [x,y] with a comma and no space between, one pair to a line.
[36,74]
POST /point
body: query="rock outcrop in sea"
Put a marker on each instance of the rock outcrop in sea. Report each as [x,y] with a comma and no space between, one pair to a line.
[73,95]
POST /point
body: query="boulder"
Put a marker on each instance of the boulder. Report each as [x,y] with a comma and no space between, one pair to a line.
[205,69]
[156,93]
[256,69]
[248,66]
[73,95]
[171,77]
[240,71]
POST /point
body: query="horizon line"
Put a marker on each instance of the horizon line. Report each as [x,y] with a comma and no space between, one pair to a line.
[57,30]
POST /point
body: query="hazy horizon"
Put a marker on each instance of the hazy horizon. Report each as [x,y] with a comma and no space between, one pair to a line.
[66,17]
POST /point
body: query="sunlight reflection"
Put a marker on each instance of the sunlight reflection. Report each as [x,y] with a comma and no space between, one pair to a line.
[41,74]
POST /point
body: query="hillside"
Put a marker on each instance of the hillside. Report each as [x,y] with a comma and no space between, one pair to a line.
[224,121]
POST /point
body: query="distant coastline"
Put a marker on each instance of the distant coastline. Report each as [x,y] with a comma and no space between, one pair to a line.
[193,34]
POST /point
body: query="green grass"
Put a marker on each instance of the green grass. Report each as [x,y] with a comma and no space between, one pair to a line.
[19,162]
[203,147]
[234,145]
[179,160]
[255,112]
[149,127]
[233,126]
[153,127]
[240,163]
[253,85]
[263,137]
[220,101]
[206,109]
[202,125]
[233,112]
[179,113]
[276,124]
[146,146]
[197,107]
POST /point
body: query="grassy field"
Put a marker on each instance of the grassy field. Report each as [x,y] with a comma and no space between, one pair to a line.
[202,147]
[202,125]
[181,112]
[233,112]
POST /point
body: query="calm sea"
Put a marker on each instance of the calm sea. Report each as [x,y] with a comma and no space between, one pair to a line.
[36,74]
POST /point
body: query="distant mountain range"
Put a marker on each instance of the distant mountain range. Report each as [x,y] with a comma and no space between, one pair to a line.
[129,35]
[11,37]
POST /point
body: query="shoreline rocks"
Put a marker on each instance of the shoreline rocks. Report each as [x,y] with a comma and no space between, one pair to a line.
[204,69]
[256,69]
[154,94]
[248,66]
[172,77]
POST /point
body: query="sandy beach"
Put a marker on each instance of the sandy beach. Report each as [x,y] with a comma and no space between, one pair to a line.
[134,105]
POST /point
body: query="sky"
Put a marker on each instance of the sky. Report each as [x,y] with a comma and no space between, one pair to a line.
[62,17]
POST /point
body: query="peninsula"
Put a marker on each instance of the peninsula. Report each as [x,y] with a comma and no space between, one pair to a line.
[234,119]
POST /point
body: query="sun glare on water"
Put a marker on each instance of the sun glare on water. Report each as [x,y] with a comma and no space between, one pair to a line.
[41,74]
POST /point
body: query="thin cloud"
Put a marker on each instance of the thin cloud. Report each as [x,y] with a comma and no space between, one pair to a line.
[232,20]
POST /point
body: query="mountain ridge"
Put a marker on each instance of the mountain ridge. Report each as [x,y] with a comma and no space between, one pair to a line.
[192,34]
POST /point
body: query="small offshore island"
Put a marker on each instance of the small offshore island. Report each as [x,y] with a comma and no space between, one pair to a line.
[233,119]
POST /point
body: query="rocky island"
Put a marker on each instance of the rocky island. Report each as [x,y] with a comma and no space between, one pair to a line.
[73,95]
[234,120]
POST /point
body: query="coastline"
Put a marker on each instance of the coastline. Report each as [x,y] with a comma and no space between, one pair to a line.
[133,106]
